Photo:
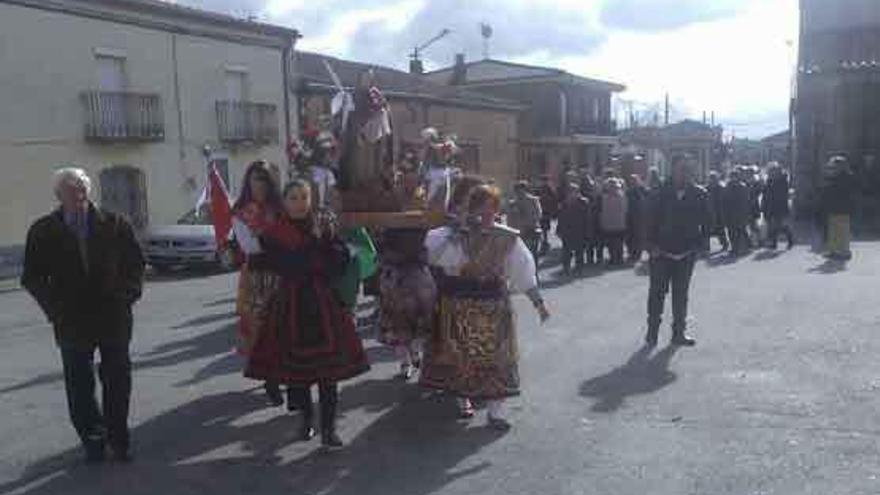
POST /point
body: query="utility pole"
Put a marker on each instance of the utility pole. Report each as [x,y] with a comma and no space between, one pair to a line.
[666,110]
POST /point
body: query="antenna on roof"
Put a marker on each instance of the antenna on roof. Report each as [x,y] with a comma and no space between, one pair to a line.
[415,65]
[486,32]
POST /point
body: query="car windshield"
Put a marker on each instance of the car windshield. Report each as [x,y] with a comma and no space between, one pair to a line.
[202,216]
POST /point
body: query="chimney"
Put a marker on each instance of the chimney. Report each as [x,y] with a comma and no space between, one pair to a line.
[459,70]
[416,66]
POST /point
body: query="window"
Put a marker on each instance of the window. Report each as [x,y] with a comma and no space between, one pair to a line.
[236,85]
[111,73]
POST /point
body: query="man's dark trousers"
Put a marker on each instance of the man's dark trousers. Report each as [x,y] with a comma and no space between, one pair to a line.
[92,424]
[666,271]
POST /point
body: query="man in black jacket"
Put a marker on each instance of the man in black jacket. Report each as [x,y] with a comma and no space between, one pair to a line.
[85,268]
[677,228]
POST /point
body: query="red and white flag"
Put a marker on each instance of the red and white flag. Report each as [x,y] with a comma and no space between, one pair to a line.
[217,197]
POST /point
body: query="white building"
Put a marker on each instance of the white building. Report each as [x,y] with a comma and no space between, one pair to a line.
[134,91]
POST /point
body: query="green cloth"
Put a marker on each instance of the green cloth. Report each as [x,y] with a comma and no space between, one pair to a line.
[361,266]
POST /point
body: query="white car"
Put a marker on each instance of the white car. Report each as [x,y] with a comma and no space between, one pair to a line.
[188,244]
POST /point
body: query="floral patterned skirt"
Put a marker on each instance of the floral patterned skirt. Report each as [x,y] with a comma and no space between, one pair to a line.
[257,291]
[406,303]
[473,350]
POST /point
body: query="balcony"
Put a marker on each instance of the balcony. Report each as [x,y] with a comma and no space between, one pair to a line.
[123,116]
[606,128]
[243,121]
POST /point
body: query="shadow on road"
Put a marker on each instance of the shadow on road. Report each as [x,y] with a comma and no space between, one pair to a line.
[206,320]
[213,343]
[767,255]
[641,374]
[220,302]
[217,444]
[829,267]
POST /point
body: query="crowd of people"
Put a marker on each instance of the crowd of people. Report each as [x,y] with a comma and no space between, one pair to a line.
[605,220]
[444,291]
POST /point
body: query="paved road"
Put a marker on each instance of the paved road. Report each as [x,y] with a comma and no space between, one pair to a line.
[780,397]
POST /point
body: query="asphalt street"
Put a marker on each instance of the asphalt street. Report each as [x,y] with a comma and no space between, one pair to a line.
[779,397]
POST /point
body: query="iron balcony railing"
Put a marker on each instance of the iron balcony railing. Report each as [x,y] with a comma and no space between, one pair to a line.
[123,116]
[244,121]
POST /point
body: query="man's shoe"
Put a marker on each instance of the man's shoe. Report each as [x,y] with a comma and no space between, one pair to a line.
[95,451]
[121,454]
[683,341]
[652,337]
[331,440]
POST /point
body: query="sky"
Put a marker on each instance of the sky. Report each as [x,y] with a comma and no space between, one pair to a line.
[731,57]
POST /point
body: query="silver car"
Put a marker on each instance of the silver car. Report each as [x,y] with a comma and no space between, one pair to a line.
[188,244]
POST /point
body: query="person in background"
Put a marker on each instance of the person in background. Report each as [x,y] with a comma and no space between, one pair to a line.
[636,196]
[550,204]
[312,339]
[84,267]
[679,220]
[479,265]
[756,186]
[838,202]
[737,212]
[591,192]
[574,228]
[717,228]
[774,204]
[612,219]
[407,289]
[655,180]
[258,205]
[524,214]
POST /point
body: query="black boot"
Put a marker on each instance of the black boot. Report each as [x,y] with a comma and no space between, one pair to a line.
[307,428]
[293,401]
[679,338]
[273,392]
[329,399]
[652,336]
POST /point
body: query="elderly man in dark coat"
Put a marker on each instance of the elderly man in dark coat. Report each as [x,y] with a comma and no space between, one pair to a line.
[677,228]
[84,267]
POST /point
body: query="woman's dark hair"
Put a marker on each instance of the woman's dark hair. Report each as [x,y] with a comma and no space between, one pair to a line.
[296,184]
[262,170]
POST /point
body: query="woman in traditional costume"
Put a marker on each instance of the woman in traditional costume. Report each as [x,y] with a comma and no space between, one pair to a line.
[258,205]
[406,287]
[473,352]
[312,339]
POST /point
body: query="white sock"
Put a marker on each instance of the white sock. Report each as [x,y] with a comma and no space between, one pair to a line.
[464,403]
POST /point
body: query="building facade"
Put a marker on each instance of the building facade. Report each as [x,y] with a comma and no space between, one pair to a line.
[567,119]
[486,127]
[836,108]
[139,93]
[701,142]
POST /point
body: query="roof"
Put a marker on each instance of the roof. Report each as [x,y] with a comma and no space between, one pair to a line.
[779,136]
[494,72]
[394,83]
[168,16]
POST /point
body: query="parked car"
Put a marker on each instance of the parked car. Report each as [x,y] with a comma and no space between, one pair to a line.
[190,243]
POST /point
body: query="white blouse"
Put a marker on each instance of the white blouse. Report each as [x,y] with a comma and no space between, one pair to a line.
[248,242]
[446,252]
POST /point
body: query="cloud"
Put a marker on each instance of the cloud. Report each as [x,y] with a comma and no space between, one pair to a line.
[653,15]
[729,56]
